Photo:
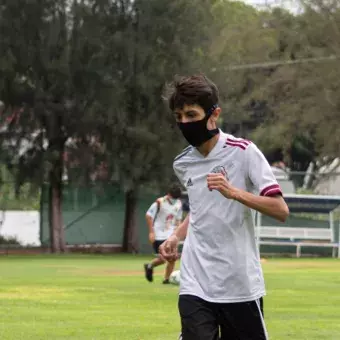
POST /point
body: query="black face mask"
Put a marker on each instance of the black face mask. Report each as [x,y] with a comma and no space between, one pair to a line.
[196,133]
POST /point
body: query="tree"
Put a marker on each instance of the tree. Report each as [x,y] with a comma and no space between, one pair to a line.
[303,98]
[51,70]
[155,39]
[240,37]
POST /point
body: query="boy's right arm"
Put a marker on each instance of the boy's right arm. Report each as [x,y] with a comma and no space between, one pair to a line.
[181,231]
[169,249]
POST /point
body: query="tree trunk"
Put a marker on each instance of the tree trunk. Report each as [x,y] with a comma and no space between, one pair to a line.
[54,238]
[55,199]
[130,237]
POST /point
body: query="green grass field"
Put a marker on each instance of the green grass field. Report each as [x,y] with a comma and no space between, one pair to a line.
[107,297]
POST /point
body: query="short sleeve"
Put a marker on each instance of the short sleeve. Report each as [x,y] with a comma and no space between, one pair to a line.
[179,172]
[180,164]
[260,173]
[152,211]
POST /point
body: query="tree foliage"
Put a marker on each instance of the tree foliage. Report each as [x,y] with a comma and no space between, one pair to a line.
[82,85]
[303,98]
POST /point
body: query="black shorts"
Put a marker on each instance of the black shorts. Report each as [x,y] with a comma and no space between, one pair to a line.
[202,320]
[156,245]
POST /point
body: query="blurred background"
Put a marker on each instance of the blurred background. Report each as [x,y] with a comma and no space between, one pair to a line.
[87,142]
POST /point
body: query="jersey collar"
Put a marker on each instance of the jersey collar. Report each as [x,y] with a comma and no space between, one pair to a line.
[169,200]
[216,148]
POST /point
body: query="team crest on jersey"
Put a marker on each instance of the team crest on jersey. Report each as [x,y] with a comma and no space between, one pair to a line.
[220,170]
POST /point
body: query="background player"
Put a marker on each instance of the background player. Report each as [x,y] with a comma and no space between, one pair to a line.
[162,219]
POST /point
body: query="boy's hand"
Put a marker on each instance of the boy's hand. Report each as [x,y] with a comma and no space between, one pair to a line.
[220,183]
[168,249]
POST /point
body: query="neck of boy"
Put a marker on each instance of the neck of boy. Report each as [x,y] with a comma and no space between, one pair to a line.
[206,147]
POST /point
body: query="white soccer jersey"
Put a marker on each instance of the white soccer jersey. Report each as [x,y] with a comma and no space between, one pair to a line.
[220,259]
[166,214]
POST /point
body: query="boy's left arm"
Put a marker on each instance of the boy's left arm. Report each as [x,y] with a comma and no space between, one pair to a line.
[269,201]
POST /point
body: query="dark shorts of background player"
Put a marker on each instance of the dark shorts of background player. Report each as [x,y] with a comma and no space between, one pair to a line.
[202,320]
[156,246]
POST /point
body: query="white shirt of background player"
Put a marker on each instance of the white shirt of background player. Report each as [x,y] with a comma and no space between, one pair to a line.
[167,214]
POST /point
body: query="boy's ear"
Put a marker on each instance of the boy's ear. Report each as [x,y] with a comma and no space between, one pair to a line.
[216,114]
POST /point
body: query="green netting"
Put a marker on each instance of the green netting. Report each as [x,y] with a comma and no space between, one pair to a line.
[95,215]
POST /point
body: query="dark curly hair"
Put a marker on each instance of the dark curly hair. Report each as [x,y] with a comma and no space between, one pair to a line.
[175,191]
[192,90]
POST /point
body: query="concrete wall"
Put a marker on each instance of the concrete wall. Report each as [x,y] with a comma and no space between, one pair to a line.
[23,225]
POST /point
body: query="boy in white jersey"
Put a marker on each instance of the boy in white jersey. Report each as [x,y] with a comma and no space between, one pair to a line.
[162,219]
[221,286]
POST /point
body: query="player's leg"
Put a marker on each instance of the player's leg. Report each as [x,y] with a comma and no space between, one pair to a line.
[170,266]
[242,321]
[148,267]
[198,318]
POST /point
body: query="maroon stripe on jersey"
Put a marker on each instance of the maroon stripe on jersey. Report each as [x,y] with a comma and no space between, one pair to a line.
[236,144]
[274,192]
[241,141]
[271,190]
